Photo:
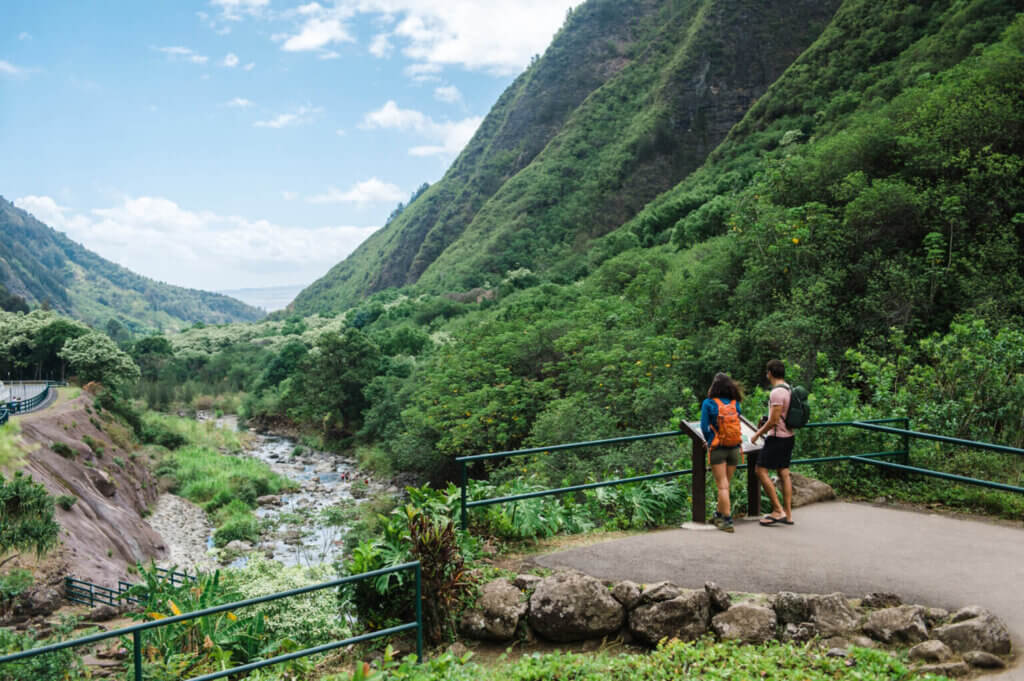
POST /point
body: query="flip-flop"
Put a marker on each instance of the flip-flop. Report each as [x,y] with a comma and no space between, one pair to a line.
[771,520]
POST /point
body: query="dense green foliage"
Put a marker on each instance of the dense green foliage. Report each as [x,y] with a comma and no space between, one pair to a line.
[46,268]
[628,99]
[26,516]
[63,665]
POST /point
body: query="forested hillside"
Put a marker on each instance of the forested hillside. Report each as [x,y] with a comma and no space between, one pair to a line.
[628,100]
[45,267]
[863,221]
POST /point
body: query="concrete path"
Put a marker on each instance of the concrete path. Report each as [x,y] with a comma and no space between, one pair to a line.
[835,546]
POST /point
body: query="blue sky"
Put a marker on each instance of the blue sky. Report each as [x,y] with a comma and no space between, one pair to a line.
[224,144]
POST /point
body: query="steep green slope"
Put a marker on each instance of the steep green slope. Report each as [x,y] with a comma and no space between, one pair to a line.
[44,266]
[628,99]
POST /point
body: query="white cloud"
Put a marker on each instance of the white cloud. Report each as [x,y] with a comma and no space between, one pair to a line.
[447,93]
[176,52]
[329,55]
[301,116]
[239,103]
[368,191]
[289,196]
[24,35]
[423,72]
[9,69]
[449,137]
[156,237]
[231,60]
[234,10]
[320,27]
[381,45]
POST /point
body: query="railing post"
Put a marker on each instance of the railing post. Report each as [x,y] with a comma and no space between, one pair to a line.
[137,653]
[698,483]
[92,596]
[753,486]
[465,480]
[419,610]
[906,442]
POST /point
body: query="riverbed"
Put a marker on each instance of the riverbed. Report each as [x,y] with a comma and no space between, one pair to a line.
[300,527]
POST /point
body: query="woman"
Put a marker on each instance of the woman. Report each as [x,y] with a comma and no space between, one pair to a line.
[720,424]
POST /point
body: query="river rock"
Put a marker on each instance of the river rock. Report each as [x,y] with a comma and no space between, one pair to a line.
[571,606]
[833,615]
[660,591]
[745,622]
[685,617]
[982,631]
[42,600]
[499,609]
[809,491]
[627,593]
[238,546]
[791,608]
[720,599]
[983,660]
[903,624]
[268,500]
[930,651]
[844,642]
[935,616]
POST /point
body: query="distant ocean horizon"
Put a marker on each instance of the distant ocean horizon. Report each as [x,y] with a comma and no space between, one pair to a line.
[271,299]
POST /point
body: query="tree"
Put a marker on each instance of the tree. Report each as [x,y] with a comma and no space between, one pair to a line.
[95,357]
[328,388]
[50,339]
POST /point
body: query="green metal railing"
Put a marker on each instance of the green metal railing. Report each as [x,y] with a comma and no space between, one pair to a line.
[27,404]
[136,630]
[87,593]
[4,415]
[697,471]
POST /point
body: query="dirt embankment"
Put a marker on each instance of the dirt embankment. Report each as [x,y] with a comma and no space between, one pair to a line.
[78,450]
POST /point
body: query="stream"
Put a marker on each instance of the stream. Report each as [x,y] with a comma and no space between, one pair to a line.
[295,530]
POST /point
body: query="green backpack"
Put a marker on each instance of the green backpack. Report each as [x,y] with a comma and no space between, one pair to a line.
[799,408]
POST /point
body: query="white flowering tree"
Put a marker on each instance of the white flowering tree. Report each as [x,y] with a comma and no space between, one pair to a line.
[95,357]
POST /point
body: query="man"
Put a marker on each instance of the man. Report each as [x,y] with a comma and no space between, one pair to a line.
[778,447]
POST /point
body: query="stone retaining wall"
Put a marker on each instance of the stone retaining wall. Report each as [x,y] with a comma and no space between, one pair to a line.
[570,606]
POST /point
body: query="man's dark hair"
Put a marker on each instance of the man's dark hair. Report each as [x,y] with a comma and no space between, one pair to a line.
[725,388]
[776,368]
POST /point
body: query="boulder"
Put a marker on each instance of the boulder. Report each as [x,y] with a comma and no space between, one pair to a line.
[799,633]
[903,624]
[808,490]
[930,651]
[42,600]
[720,600]
[268,500]
[879,599]
[791,608]
[983,660]
[660,591]
[746,623]
[982,631]
[844,642]
[833,615]
[501,605]
[570,606]
[968,613]
[527,582]
[103,613]
[950,669]
[685,617]
[935,616]
[627,593]
[238,546]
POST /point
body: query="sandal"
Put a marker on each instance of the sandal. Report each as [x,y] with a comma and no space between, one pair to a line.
[771,520]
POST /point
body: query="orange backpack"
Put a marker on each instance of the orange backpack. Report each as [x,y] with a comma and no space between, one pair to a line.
[727,430]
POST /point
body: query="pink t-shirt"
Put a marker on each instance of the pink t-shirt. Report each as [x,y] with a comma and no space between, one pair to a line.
[780,396]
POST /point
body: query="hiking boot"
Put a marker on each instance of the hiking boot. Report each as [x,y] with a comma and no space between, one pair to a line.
[724,524]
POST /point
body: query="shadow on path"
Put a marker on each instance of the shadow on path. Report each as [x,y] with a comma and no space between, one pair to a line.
[926,558]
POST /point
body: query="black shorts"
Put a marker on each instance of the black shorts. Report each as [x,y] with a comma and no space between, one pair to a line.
[777,452]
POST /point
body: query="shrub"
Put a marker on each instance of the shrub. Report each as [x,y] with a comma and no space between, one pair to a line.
[63,449]
[244,527]
[57,666]
[66,501]
[95,446]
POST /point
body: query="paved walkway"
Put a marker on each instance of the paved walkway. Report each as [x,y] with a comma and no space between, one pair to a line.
[835,546]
